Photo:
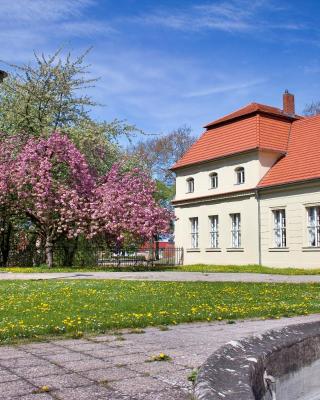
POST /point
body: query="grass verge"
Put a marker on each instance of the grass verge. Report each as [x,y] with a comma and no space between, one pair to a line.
[250,268]
[39,309]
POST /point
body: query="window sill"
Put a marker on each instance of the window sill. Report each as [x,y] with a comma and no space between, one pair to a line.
[235,249]
[279,249]
[213,188]
[311,248]
[195,250]
[213,249]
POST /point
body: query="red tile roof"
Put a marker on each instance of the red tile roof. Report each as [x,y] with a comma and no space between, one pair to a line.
[251,108]
[258,126]
[302,161]
[250,128]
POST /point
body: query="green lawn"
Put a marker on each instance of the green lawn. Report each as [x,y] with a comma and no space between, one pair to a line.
[186,268]
[36,309]
[258,269]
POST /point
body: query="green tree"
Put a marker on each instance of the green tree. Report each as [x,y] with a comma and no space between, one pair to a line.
[49,94]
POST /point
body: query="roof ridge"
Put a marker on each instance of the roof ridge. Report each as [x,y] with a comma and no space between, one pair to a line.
[249,109]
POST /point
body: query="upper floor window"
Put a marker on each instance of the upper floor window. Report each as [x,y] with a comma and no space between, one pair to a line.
[279,228]
[240,176]
[190,185]
[214,231]
[194,232]
[314,226]
[235,230]
[214,180]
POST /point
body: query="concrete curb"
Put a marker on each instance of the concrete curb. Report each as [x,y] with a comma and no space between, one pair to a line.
[235,371]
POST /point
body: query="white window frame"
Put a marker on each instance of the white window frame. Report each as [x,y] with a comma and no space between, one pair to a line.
[194,224]
[235,230]
[214,180]
[313,226]
[190,185]
[214,231]
[279,228]
[240,175]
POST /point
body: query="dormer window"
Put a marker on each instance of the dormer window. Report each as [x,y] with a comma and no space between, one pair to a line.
[214,180]
[190,185]
[240,177]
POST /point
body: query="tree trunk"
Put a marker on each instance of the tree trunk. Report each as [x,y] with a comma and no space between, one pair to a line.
[49,252]
[5,243]
[157,247]
[69,249]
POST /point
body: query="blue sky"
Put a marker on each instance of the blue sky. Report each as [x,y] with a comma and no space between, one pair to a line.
[167,63]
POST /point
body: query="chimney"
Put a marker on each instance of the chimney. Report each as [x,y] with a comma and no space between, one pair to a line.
[288,103]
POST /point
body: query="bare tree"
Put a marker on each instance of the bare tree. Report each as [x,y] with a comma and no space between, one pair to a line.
[160,153]
[312,108]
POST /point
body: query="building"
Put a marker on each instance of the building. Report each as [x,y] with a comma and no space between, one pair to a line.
[248,191]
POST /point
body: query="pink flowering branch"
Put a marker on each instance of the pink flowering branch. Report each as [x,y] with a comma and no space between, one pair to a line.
[51,184]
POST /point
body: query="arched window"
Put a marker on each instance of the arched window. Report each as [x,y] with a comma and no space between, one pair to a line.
[190,185]
[240,176]
[213,180]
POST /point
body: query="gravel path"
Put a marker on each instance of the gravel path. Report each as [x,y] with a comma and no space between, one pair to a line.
[165,276]
[114,367]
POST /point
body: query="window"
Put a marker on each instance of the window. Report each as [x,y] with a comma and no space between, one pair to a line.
[240,178]
[214,180]
[190,185]
[194,233]
[314,226]
[214,231]
[235,230]
[279,218]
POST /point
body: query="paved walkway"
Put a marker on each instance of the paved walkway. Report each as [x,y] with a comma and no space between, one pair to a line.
[165,276]
[114,367]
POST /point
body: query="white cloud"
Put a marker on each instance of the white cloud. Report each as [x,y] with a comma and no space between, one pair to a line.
[85,28]
[160,91]
[228,16]
[155,89]
[39,10]
[225,88]
[45,25]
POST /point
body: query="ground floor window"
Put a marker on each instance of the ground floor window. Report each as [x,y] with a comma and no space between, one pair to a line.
[214,231]
[194,232]
[314,226]
[279,228]
[235,230]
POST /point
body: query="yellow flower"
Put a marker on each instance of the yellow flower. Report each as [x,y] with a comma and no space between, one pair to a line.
[44,389]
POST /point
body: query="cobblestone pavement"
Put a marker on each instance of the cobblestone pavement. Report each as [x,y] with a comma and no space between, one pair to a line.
[115,366]
[165,276]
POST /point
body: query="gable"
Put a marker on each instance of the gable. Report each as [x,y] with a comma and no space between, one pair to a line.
[302,160]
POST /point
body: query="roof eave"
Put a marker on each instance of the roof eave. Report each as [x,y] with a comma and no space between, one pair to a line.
[297,181]
[257,148]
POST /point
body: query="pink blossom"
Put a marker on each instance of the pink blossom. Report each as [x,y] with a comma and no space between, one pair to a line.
[49,182]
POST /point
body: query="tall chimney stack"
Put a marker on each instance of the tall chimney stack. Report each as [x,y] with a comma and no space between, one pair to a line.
[288,103]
